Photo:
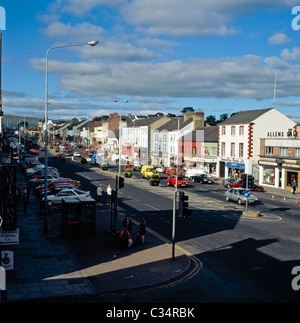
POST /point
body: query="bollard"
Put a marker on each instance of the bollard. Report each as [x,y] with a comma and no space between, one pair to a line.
[273,197]
[284,199]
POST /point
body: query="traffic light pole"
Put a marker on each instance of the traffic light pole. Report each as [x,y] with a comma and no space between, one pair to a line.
[247,190]
[173,224]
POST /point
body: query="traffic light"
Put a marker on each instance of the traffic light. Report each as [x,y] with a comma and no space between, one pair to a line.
[121,182]
[183,205]
[244,179]
[250,181]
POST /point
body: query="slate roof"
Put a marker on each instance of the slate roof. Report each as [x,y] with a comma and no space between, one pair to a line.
[244,117]
[210,135]
[173,124]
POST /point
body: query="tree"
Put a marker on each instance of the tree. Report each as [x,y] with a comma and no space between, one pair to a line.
[223,117]
[171,115]
[187,109]
[211,120]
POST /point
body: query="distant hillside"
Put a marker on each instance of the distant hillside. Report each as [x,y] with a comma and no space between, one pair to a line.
[10,121]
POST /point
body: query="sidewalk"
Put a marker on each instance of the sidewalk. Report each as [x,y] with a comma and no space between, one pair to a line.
[51,265]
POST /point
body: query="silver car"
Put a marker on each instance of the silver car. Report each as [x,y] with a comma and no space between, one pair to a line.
[238,195]
[65,194]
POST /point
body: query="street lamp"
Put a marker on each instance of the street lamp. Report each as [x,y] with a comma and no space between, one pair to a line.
[91,43]
[126,101]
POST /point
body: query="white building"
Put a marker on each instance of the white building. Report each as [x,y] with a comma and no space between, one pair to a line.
[239,139]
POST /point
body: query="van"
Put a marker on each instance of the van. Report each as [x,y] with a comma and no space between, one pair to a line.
[147,170]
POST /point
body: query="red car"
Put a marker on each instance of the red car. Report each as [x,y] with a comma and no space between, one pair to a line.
[42,148]
[129,166]
[171,181]
[60,156]
[33,151]
[238,183]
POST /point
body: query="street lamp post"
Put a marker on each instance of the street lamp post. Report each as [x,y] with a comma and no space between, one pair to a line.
[120,131]
[91,43]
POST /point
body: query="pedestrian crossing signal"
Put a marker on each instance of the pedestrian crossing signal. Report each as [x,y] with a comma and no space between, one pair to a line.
[121,182]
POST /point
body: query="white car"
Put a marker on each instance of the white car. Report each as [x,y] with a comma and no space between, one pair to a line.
[76,154]
[65,194]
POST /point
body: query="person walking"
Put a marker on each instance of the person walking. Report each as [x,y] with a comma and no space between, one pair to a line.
[294,186]
[99,193]
[109,192]
[20,189]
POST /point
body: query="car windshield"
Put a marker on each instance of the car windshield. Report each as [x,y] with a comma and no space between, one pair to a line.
[241,192]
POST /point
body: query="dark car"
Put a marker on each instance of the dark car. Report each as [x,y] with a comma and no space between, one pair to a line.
[202,179]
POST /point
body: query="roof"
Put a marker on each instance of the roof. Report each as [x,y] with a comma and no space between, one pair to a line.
[173,124]
[210,135]
[245,116]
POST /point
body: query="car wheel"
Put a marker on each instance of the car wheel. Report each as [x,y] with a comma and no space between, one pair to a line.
[227,198]
[50,203]
[193,180]
[259,189]
[168,183]
[239,201]
[228,186]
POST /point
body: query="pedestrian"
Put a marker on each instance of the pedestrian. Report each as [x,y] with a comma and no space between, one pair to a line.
[142,231]
[99,193]
[25,199]
[127,223]
[294,186]
[20,189]
[108,192]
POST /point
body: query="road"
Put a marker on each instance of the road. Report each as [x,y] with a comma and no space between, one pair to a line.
[236,258]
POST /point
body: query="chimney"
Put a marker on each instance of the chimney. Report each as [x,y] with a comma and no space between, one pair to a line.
[198,119]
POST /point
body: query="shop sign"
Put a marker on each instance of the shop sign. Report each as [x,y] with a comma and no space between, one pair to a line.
[9,237]
[235,165]
[267,163]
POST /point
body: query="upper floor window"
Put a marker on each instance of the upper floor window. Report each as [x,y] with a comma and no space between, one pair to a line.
[223,130]
[241,150]
[223,149]
[241,130]
[269,151]
[232,149]
[283,152]
[233,131]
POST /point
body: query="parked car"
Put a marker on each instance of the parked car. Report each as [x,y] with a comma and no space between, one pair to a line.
[193,171]
[202,179]
[41,179]
[238,195]
[33,151]
[54,188]
[65,194]
[76,154]
[171,181]
[42,148]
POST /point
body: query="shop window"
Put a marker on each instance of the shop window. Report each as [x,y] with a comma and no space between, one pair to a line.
[269,176]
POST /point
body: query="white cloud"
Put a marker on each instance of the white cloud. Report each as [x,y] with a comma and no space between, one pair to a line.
[291,56]
[279,39]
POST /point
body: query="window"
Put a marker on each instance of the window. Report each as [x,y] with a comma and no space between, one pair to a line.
[241,150]
[232,149]
[223,149]
[213,151]
[233,131]
[223,130]
[241,130]
[187,150]
[283,152]
[297,152]
[194,150]
[269,151]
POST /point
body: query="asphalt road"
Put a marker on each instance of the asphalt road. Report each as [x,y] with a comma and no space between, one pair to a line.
[238,258]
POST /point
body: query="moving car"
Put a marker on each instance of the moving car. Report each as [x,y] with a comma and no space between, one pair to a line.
[33,151]
[147,171]
[238,183]
[202,179]
[171,181]
[76,154]
[227,181]
[65,194]
[238,195]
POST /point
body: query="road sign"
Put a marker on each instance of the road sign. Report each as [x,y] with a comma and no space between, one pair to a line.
[247,193]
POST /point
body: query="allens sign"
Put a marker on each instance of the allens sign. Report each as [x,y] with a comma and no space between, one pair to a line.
[282,134]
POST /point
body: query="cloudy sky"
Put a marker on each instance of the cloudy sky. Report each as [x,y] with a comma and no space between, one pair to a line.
[161,55]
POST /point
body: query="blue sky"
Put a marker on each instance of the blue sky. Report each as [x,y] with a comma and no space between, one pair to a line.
[215,56]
